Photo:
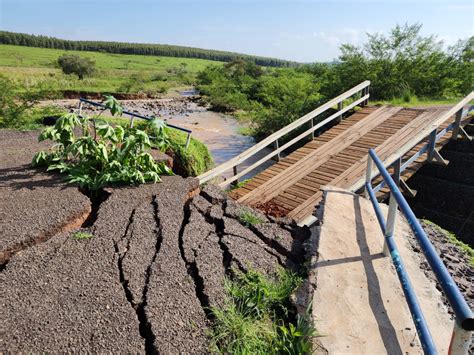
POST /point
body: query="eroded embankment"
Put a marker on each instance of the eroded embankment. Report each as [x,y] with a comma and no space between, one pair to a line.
[144,280]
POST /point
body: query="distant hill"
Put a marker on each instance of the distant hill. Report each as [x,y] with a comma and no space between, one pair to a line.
[23,39]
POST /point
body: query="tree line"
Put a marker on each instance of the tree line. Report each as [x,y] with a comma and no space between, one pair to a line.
[23,39]
[403,66]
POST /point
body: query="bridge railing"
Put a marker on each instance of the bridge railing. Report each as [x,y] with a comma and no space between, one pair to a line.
[361,92]
[464,322]
[135,115]
[434,134]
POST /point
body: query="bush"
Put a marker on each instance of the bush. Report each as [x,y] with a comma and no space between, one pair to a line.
[74,64]
[102,155]
[16,102]
[402,64]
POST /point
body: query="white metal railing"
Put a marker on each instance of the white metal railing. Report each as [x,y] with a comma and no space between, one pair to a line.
[432,131]
[273,139]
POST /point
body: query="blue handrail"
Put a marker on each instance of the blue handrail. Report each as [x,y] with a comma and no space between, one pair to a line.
[464,315]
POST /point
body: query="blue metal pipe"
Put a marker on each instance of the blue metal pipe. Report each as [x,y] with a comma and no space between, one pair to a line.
[421,326]
[375,203]
[464,315]
[135,115]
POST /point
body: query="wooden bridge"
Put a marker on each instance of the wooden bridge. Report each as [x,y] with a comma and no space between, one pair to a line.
[336,151]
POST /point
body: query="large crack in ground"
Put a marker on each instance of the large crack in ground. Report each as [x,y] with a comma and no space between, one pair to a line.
[166,264]
[139,305]
[145,326]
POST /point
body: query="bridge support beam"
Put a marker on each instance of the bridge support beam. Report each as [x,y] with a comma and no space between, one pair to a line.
[433,155]
[406,189]
[458,130]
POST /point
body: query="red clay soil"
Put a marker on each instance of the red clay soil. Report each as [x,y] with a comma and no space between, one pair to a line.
[145,279]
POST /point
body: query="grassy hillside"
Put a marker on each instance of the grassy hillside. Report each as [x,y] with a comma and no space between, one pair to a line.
[116,72]
[23,39]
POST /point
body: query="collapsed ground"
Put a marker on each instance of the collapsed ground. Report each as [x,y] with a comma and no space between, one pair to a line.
[142,280]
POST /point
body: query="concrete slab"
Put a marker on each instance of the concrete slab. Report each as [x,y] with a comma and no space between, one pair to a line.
[358,305]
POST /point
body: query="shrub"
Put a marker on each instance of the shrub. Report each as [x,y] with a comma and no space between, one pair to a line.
[103,155]
[74,64]
[16,102]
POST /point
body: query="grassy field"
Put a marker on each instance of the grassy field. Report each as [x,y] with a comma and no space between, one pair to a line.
[115,72]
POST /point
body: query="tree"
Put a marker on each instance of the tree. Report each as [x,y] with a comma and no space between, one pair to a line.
[399,64]
[16,101]
[74,64]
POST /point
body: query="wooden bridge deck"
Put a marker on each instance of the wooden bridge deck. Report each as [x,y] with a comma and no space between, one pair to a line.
[337,157]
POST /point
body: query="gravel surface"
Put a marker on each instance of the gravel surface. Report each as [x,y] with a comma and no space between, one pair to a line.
[145,279]
[456,260]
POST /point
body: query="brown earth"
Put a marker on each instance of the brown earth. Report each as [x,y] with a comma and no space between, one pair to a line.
[143,282]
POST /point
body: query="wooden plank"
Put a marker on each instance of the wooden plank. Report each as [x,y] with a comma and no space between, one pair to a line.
[358,169]
[284,179]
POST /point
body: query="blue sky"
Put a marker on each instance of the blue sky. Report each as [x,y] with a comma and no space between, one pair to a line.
[304,30]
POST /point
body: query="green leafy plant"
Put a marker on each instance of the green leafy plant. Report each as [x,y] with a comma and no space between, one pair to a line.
[248,218]
[82,235]
[102,155]
[255,318]
[158,132]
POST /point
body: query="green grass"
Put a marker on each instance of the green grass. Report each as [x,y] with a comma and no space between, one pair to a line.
[82,235]
[257,317]
[249,218]
[452,238]
[414,101]
[152,74]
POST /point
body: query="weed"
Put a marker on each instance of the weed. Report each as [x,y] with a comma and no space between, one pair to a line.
[255,317]
[248,218]
[82,235]
[239,184]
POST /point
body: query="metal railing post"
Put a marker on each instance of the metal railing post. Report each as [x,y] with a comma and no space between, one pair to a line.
[457,124]
[339,108]
[131,121]
[368,175]
[235,173]
[397,170]
[312,125]
[80,108]
[460,341]
[390,226]
[276,145]
[431,146]
[188,139]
